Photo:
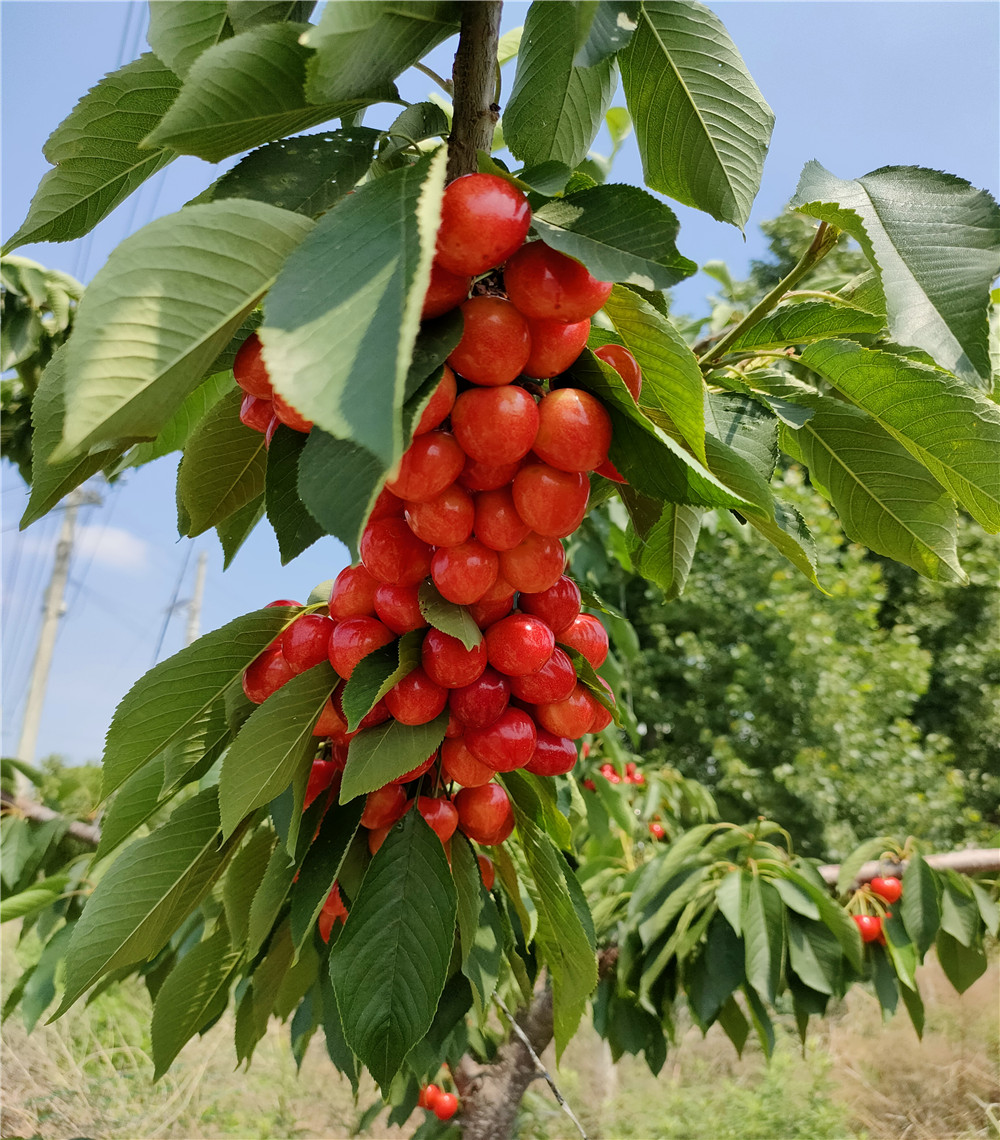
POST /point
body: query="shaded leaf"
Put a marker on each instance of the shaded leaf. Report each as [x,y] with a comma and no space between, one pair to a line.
[662,540]
[178,33]
[376,674]
[243,879]
[919,907]
[805,322]
[381,754]
[321,867]
[294,527]
[611,28]
[237,528]
[448,617]
[962,965]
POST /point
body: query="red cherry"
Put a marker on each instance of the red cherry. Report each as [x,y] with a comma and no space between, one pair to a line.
[869,926]
[554,755]
[478,476]
[574,430]
[570,718]
[428,1096]
[479,704]
[416,773]
[519,644]
[497,523]
[431,463]
[445,1106]
[485,613]
[656,830]
[506,744]
[416,699]
[889,889]
[321,776]
[387,506]
[445,520]
[549,286]
[610,773]
[331,723]
[555,681]
[377,715]
[353,639]
[465,572]
[383,807]
[487,871]
[625,364]
[558,605]
[398,607]
[454,728]
[250,371]
[439,404]
[393,554]
[483,220]
[458,764]
[602,718]
[447,662]
[353,594]
[282,602]
[304,644]
[289,415]
[495,342]
[485,814]
[555,345]
[272,427]
[267,673]
[495,426]
[445,292]
[588,637]
[535,564]
[551,501]
[256,413]
[376,837]
[441,815]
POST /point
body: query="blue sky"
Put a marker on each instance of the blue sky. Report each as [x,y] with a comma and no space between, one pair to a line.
[856,85]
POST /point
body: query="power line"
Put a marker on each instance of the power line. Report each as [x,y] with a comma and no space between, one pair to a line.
[173,603]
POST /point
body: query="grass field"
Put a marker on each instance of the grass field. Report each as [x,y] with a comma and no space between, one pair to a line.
[89,1076]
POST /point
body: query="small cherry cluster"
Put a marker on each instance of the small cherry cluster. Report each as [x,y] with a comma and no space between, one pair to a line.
[262,408]
[443,1104]
[887,890]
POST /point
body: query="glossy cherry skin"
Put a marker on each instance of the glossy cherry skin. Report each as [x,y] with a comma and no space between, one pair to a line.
[587,636]
[416,773]
[485,814]
[535,564]
[495,342]
[250,371]
[416,699]
[657,830]
[289,415]
[376,837]
[485,613]
[869,926]
[554,755]
[555,681]
[549,286]
[445,1106]
[574,430]
[506,744]
[305,642]
[465,572]
[602,718]
[398,607]
[458,764]
[440,814]
[256,413]
[495,426]
[353,639]
[487,871]
[331,723]
[387,506]
[383,807]
[445,520]
[484,219]
[267,673]
[551,501]
[625,364]
[481,703]
[353,594]
[570,718]
[447,662]
[519,644]
[555,345]
[445,292]
[393,554]
[558,605]
[432,462]
[478,476]
[283,602]
[321,775]
[428,1096]
[333,911]
[497,523]
[889,889]
[440,404]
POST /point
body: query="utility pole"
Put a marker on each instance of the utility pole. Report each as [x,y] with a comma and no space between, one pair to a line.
[194,606]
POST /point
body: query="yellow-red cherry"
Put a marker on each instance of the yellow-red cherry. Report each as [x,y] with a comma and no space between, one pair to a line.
[495,426]
[495,342]
[485,814]
[484,219]
[547,285]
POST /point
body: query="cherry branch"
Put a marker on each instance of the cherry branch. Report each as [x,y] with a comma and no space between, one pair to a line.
[973,861]
[15,805]
[474,84]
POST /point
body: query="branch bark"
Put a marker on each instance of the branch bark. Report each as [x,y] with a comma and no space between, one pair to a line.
[971,862]
[474,81]
[84,832]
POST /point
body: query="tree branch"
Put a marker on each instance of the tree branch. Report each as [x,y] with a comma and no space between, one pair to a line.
[971,862]
[84,832]
[474,83]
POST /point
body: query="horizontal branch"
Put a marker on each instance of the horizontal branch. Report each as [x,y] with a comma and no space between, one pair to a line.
[971,862]
[85,832]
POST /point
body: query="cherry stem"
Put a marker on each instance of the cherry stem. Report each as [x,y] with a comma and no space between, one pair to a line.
[473,82]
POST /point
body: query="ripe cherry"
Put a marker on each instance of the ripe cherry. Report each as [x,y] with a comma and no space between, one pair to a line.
[458,764]
[416,773]
[497,523]
[398,607]
[353,639]
[445,292]
[387,506]
[570,718]
[555,681]
[465,572]
[305,642]
[445,520]
[495,426]
[445,1106]
[376,837]
[554,755]
[506,744]
[428,1096]
[555,345]
[416,699]
[558,605]
[534,564]
[869,926]
[250,371]
[439,404]
[889,889]
[431,463]
[574,430]
[602,718]
[485,814]
[479,704]
[610,773]
[256,413]
[588,637]
[625,364]
[487,871]
[393,554]
[519,644]
[282,602]
[289,415]
[333,911]
[478,476]
[321,776]
[331,723]
[551,501]
[441,816]
[657,830]
[383,807]
[353,594]
[495,342]
[547,285]
[447,662]
[485,613]
[266,674]
[484,219]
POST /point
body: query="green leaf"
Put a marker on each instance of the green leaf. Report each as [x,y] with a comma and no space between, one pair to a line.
[959,913]
[454,620]
[914,1007]
[321,867]
[174,293]
[274,745]
[136,801]
[236,529]
[166,704]
[96,154]
[716,972]
[269,897]
[178,33]
[243,879]
[294,527]
[362,45]
[358,475]
[734,1024]
[620,233]
[413,124]
[805,322]
[886,986]
[919,907]
[37,897]
[886,500]
[763,925]
[145,894]
[952,429]
[661,540]
[813,952]
[246,14]
[177,430]
[962,965]
[935,242]
[988,909]
[376,674]
[870,849]
[389,750]
[536,797]
[672,382]
[787,532]
[555,108]
[702,125]
[223,466]
[308,174]
[40,987]
[901,949]
[478,925]
[390,963]
[243,92]
[343,316]
[194,992]
[610,30]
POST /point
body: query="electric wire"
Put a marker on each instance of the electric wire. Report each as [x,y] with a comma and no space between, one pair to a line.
[173,603]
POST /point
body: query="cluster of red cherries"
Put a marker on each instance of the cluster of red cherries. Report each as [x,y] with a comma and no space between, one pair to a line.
[495,477]
[887,890]
[443,1104]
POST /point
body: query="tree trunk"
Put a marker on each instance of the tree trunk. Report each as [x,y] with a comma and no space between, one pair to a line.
[474,82]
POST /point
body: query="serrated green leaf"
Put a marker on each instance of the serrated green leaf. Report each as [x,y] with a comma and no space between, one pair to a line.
[269,897]
[919,907]
[246,14]
[452,619]
[243,879]
[935,242]
[763,926]
[194,991]
[959,913]
[358,476]
[702,125]
[321,867]
[294,527]
[146,893]
[661,540]
[914,1007]
[886,500]
[166,703]
[178,33]
[390,963]
[343,316]
[555,108]
[610,30]
[177,430]
[96,155]
[236,529]
[479,925]
[388,751]
[174,293]
[962,965]
[40,987]
[274,745]
[734,1024]
[711,979]
[988,909]
[804,323]
[952,429]
[137,800]
[813,953]
[376,674]
[901,950]
[787,533]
